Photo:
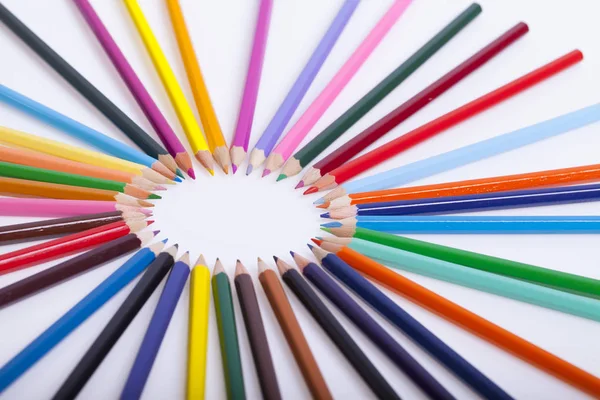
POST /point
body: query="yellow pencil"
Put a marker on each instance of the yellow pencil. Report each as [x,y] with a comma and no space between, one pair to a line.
[210,123]
[198,330]
[182,108]
[20,139]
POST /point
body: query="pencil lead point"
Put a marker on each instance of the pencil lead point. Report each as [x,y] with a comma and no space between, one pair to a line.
[191,173]
[211,171]
[326,229]
[311,190]
[310,246]
[299,185]
[234,168]
[149,222]
[249,169]
[165,241]
[160,187]
[316,241]
[176,245]
[154,196]
[334,224]
[265,172]
[325,215]
[225,170]
[156,233]
[177,179]
[275,258]
[179,173]
[322,205]
[281,177]
[292,253]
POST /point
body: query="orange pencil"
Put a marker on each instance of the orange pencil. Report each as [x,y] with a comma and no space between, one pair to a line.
[22,187]
[530,180]
[464,318]
[40,160]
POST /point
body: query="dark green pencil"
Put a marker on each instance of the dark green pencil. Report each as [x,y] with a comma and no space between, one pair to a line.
[304,156]
[18,171]
[230,349]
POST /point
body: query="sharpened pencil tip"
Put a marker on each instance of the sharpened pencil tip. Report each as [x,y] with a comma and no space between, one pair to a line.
[225,169]
[149,222]
[275,258]
[325,215]
[292,253]
[334,224]
[249,169]
[176,245]
[299,185]
[281,177]
[156,233]
[154,196]
[234,168]
[311,190]
[159,187]
[191,173]
[316,241]
[211,171]
[322,205]
[179,173]
[310,246]
[165,241]
[265,172]
[177,179]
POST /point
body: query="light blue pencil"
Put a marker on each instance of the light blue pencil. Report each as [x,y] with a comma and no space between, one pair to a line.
[476,224]
[80,131]
[516,289]
[66,324]
[465,155]
[269,138]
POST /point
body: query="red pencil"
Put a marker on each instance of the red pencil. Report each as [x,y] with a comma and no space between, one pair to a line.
[446,121]
[67,245]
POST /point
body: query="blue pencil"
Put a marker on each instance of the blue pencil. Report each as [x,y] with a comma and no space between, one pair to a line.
[66,324]
[372,329]
[475,202]
[269,138]
[80,131]
[402,320]
[157,329]
[570,224]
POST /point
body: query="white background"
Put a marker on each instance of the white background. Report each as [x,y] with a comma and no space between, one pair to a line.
[244,217]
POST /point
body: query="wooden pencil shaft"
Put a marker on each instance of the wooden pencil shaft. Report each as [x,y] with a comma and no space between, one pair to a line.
[20,233]
[54,190]
[94,356]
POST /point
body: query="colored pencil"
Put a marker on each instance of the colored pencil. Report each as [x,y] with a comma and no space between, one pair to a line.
[257,337]
[336,332]
[117,325]
[464,318]
[509,287]
[77,315]
[80,131]
[472,203]
[183,110]
[61,208]
[41,160]
[471,153]
[243,128]
[20,233]
[208,117]
[437,126]
[292,100]
[66,245]
[157,328]
[317,108]
[85,88]
[230,348]
[337,128]
[136,87]
[470,224]
[379,336]
[571,283]
[529,180]
[198,330]
[293,332]
[23,187]
[10,170]
[72,267]
[13,137]
[401,113]
[396,315]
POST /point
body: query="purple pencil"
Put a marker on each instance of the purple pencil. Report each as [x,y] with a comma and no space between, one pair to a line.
[137,89]
[239,146]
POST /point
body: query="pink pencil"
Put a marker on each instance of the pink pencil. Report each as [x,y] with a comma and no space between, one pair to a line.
[31,207]
[239,146]
[318,107]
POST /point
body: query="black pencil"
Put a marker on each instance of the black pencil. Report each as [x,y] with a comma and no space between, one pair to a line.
[335,331]
[87,90]
[117,325]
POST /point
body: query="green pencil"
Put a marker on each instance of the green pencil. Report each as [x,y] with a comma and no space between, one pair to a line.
[230,350]
[18,171]
[563,281]
[324,139]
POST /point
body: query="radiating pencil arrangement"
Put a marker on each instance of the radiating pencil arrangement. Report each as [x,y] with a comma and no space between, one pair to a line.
[95,205]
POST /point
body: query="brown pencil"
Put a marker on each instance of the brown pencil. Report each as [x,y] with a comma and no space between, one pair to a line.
[22,187]
[19,233]
[293,332]
[256,333]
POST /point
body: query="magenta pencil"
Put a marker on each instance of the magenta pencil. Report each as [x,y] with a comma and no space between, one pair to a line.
[239,146]
[136,87]
[26,207]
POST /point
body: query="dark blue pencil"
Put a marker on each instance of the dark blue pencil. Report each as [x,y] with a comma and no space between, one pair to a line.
[156,329]
[474,202]
[379,336]
[410,326]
